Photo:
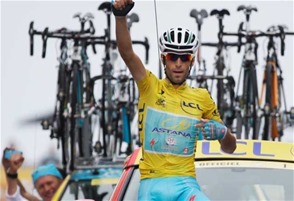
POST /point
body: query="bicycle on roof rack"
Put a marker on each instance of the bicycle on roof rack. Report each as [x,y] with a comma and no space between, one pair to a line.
[225,82]
[274,112]
[116,109]
[246,104]
[70,123]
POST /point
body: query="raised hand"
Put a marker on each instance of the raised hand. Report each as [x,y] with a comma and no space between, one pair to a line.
[122,7]
[16,162]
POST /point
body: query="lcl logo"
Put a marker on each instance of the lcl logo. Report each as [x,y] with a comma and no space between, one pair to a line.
[186,105]
[256,150]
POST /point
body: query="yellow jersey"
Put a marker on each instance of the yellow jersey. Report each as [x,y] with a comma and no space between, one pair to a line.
[167,118]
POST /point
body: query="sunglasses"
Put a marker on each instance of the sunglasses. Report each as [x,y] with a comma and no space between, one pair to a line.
[183,57]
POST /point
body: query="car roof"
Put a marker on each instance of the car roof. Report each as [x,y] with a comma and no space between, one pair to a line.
[246,150]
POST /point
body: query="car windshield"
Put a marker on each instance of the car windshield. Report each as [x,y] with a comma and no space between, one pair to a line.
[87,190]
[236,183]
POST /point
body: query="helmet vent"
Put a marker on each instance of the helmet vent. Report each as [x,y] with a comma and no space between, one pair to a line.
[165,36]
[186,38]
[179,37]
[172,36]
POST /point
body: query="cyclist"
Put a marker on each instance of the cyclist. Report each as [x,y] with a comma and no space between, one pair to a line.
[172,115]
[46,178]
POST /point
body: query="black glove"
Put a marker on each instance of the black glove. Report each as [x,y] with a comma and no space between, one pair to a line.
[124,11]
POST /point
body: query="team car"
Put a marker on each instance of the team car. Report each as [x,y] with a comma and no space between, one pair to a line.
[257,170]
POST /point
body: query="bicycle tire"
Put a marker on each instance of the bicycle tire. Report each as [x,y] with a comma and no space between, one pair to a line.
[220,87]
[245,99]
[86,134]
[228,102]
[63,125]
[74,151]
[239,125]
[275,105]
[267,106]
[282,114]
[254,98]
[82,97]
[250,98]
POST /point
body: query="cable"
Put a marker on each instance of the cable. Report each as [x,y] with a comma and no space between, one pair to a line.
[156,23]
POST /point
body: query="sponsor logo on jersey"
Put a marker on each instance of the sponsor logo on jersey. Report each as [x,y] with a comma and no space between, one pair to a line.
[190,108]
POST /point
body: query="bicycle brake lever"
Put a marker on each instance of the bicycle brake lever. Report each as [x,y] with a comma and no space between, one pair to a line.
[31,33]
[94,48]
[44,38]
[92,28]
[147,50]
[240,37]
[124,11]
[282,37]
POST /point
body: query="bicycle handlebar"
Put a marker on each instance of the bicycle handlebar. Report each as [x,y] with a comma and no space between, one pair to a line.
[250,36]
[201,78]
[64,33]
[224,44]
[145,43]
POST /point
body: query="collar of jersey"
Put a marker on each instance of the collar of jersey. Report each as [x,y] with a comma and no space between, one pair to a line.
[170,86]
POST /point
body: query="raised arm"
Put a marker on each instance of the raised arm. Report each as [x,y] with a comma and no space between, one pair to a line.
[26,194]
[124,43]
[11,166]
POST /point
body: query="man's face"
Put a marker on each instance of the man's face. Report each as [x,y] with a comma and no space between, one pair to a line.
[177,67]
[47,186]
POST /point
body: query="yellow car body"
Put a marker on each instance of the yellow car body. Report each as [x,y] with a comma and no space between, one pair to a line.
[257,170]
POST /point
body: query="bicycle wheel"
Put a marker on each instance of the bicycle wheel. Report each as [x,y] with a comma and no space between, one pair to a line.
[254,119]
[220,87]
[63,123]
[239,124]
[228,102]
[87,101]
[246,104]
[75,119]
[267,105]
[250,119]
[275,104]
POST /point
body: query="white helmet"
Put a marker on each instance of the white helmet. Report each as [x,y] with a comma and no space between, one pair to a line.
[178,40]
